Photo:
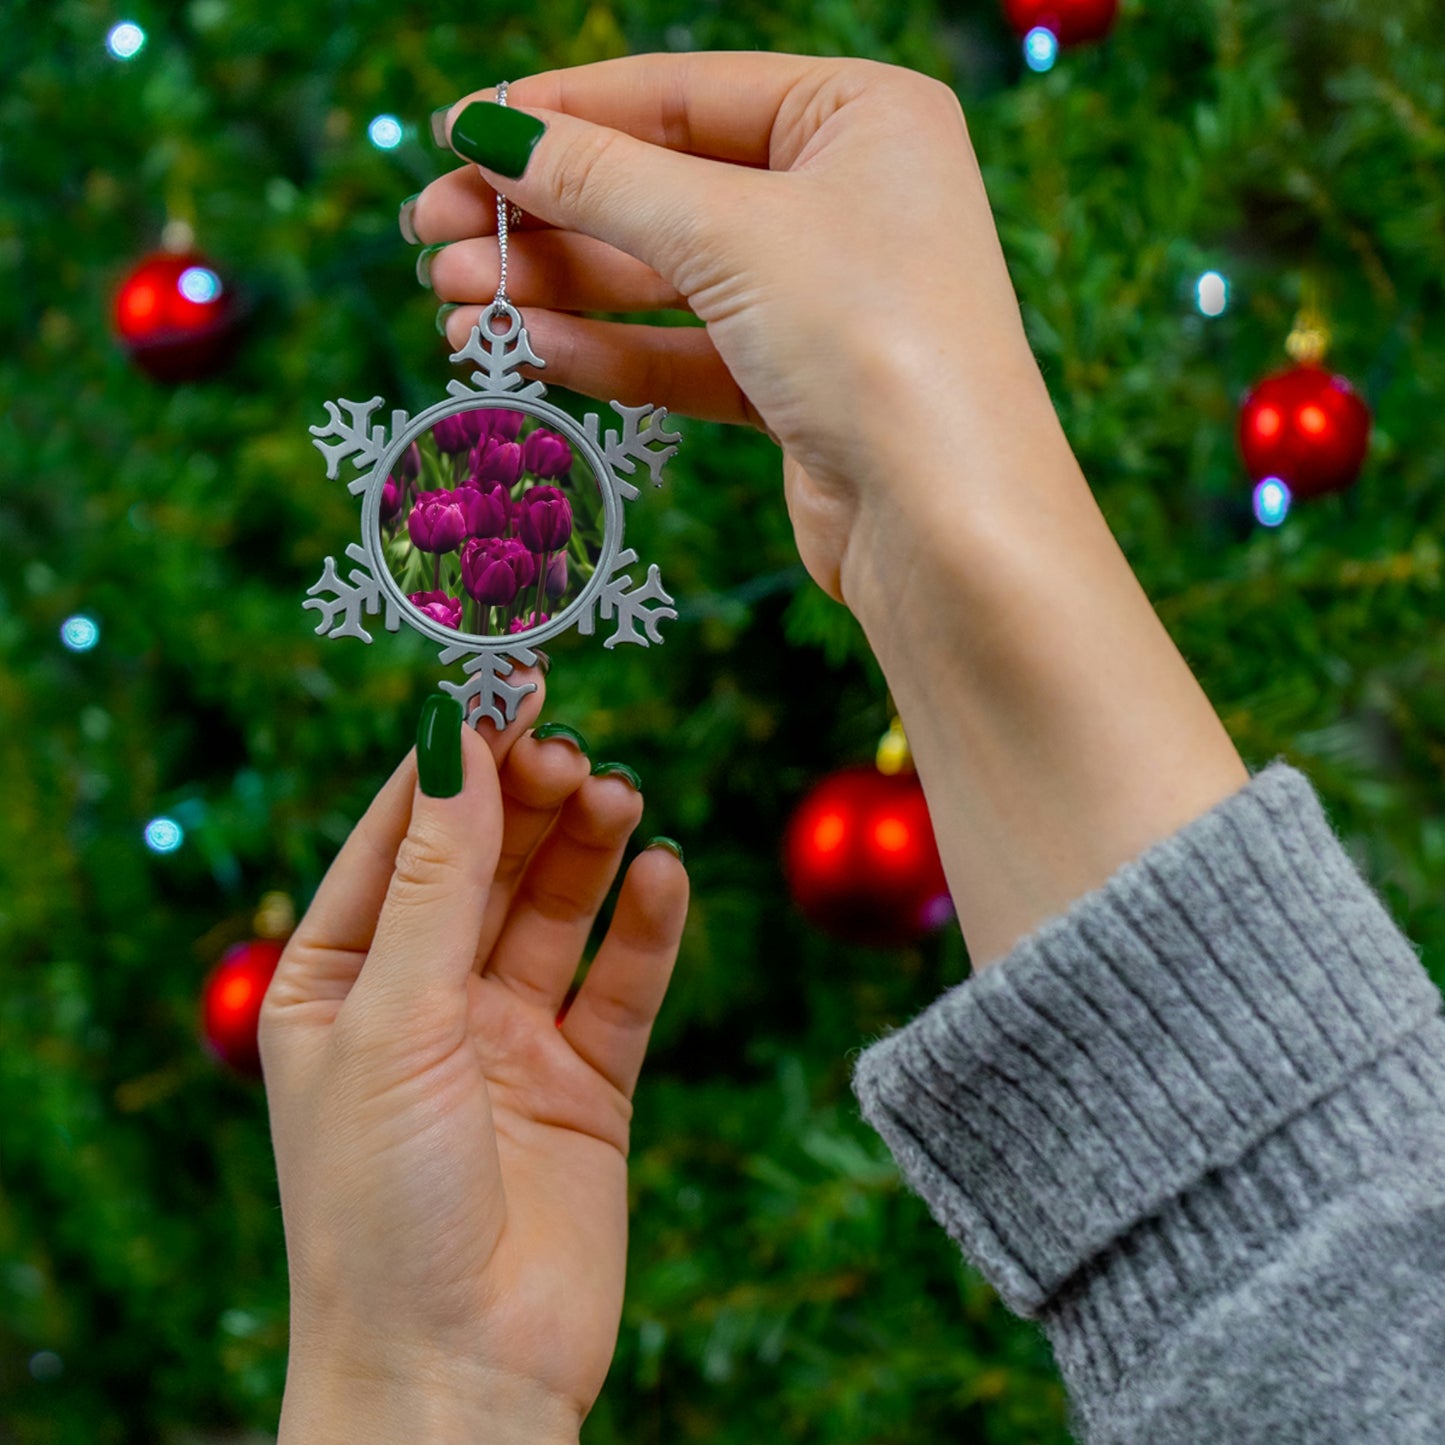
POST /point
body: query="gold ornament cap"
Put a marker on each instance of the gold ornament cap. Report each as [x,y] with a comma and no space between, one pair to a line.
[894,755]
[275,916]
[1310,339]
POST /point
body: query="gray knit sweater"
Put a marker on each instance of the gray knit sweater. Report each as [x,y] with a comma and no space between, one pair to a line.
[1196,1127]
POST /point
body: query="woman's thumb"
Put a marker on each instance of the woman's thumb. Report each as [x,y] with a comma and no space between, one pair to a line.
[654,203]
[426,934]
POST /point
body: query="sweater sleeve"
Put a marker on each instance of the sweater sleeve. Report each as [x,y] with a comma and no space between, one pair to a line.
[1195,1126]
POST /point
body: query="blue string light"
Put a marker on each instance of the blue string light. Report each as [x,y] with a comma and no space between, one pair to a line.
[1271,502]
[126,40]
[385,132]
[1041,48]
[199,284]
[164,835]
[80,633]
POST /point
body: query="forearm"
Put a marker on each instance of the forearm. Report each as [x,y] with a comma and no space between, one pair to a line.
[1056,729]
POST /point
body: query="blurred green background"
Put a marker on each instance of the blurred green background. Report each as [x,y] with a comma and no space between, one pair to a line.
[783,1285]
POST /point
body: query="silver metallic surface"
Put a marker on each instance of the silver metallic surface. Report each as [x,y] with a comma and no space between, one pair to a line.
[374,450]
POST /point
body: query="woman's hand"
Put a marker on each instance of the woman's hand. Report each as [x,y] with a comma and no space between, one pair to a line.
[827,221]
[452,1159]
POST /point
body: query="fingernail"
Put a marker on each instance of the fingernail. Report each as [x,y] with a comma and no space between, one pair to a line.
[423,262]
[561,730]
[405,220]
[543,661]
[621,770]
[439,746]
[439,126]
[671,844]
[443,312]
[496,136]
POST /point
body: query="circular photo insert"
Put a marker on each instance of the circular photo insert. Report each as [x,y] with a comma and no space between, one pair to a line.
[489,524]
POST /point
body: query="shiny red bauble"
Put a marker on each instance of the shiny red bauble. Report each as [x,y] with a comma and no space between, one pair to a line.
[231,1003]
[1307,427]
[1073,22]
[861,861]
[176,317]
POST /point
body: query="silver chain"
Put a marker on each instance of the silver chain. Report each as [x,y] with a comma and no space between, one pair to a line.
[501,299]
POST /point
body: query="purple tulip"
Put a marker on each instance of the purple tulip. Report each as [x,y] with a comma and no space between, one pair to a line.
[487,507]
[450,435]
[409,463]
[506,424]
[438,606]
[545,521]
[496,569]
[496,461]
[391,495]
[490,424]
[556,582]
[526,624]
[437,523]
[545,454]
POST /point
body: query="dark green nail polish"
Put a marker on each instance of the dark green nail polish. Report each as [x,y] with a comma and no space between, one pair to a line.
[561,730]
[443,311]
[496,136]
[671,844]
[439,746]
[423,262]
[405,222]
[439,126]
[621,770]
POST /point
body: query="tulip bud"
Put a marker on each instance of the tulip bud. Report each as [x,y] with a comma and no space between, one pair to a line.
[556,581]
[436,523]
[497,462]
[545,454]
[545,521]
[438,606]
[495,569]
[487,508]
[450,435]
[408,465]
[391,494]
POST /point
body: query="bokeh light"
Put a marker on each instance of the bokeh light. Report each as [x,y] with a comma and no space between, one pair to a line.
[1041,48]
[1271,502]
[80,633]
[385,132]
[1211,293]
[199,284]
[164,835]
[126,40]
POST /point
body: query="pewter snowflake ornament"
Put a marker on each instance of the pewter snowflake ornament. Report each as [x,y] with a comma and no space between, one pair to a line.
[476,529]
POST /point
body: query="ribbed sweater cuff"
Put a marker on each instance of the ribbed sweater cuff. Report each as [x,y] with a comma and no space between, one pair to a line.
[1226,981]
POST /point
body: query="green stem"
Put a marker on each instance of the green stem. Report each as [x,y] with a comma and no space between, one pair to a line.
[541,581]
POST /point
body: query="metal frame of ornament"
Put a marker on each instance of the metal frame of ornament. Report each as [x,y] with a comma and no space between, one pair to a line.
[496,384]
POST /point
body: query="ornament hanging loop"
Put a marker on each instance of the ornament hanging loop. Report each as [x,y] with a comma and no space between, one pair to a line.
[500,302]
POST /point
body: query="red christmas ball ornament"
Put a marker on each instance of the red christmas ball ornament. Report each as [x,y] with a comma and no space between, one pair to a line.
[861,861]
[1306,426]
[231,1003]
[176,317]
[1071,22]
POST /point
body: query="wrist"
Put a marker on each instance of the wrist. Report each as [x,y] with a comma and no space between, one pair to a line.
[950,483]
[1057,730]
[404,1395]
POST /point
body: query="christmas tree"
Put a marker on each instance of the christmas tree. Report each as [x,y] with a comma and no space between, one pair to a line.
[179,744]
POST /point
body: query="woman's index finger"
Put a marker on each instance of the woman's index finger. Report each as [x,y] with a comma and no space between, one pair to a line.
[722,105]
